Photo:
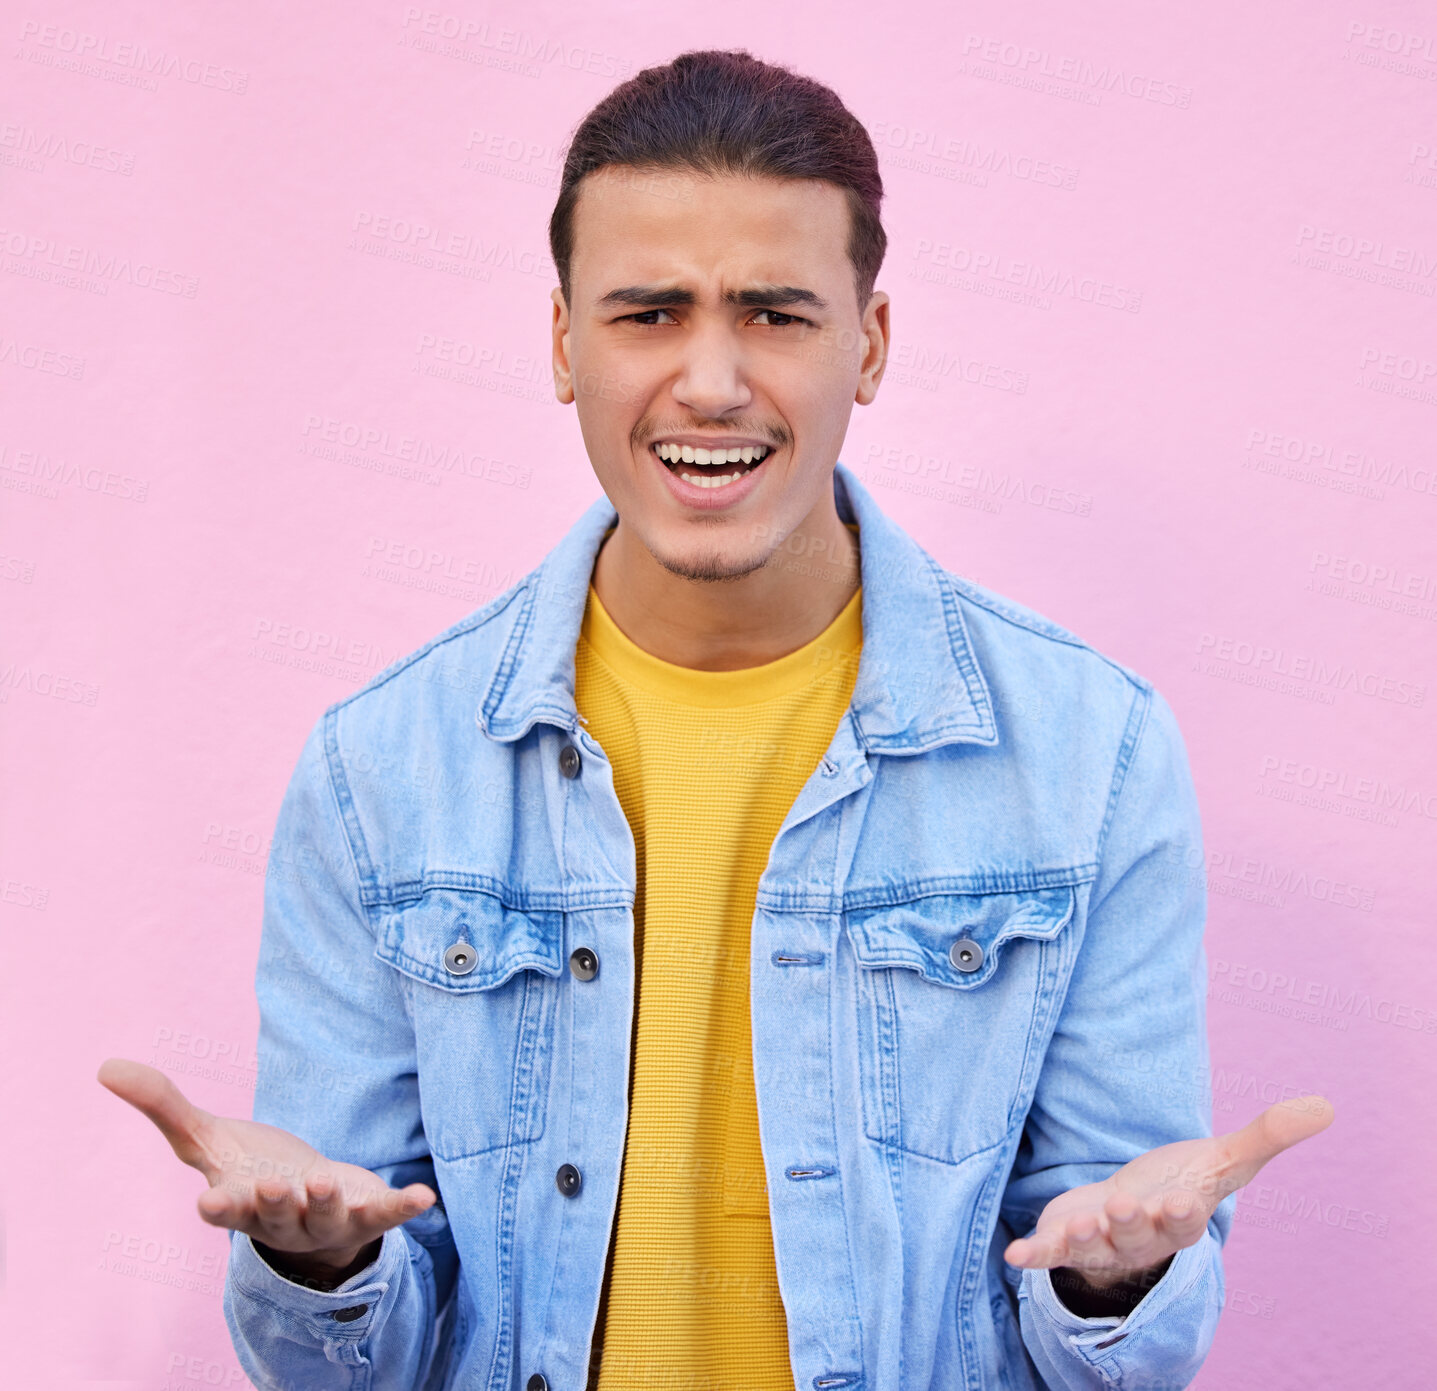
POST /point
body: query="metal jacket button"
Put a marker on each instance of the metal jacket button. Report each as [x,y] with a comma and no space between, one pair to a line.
[569,1179]
[569,761]
[350,1314]
[966,954]
[583,963]
[460,959]
[537,1382]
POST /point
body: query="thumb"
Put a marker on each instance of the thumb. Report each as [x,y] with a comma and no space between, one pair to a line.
[1279,1127]
[150,1091]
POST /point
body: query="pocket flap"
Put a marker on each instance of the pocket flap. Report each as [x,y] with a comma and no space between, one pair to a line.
[926,934]
[414,937]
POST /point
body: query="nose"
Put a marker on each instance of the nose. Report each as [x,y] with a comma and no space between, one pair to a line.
[712,380]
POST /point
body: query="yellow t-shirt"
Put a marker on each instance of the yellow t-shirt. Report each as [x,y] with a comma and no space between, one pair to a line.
[706,766]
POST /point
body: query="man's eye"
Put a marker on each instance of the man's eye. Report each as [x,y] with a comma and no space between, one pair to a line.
[645,318]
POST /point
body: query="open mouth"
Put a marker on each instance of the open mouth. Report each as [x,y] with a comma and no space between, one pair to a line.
[711,468]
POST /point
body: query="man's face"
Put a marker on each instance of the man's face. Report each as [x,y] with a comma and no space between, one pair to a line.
[715,311]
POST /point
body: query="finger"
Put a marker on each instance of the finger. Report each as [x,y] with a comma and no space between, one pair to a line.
[420,1196]
[1088,1248]
[279,1211]
[375,1213]
[216,1207]
[229,1202]
[1182,1217]
[398,1205]
[1132,1230]
[327,1214]
[1279,1127]
[150,1091]
[1044,1249]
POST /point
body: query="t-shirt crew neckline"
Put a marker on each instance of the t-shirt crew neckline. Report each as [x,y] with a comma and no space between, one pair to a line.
[719,689]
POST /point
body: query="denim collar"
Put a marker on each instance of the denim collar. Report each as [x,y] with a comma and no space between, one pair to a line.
[918,683]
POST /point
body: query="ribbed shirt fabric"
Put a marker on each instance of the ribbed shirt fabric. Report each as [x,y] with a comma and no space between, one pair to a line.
[706,766]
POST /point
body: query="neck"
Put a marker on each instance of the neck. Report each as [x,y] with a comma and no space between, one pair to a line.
[726,625]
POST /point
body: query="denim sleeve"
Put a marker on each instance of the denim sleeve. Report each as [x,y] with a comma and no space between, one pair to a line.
[1127,1070]
[336,1066]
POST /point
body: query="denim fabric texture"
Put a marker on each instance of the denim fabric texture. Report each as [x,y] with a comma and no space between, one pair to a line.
[977,981]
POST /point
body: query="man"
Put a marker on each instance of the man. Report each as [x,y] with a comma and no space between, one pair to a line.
[743,954]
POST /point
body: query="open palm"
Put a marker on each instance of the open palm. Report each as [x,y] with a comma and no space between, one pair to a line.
[266,1182]
[1161,1201]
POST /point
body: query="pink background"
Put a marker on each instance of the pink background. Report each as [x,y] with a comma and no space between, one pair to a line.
[262,434]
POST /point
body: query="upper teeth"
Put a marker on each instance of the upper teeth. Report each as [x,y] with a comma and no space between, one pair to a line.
[687,454]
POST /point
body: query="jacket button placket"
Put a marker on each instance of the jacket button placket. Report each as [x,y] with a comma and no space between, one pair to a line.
[793,1064]
[791,1015]
[601,1023]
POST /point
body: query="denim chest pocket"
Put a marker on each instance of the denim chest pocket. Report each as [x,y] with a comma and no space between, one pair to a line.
[482,997]
[949,991]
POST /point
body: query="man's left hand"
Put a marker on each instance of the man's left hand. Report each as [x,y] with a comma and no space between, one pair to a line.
[1123,1227]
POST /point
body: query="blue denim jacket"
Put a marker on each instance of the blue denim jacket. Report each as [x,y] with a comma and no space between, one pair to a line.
[977,981]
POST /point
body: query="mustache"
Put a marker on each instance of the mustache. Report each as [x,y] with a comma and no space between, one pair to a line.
[776,436]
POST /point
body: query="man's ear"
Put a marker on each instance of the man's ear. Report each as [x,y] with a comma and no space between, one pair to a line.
[875,354]
[563,372]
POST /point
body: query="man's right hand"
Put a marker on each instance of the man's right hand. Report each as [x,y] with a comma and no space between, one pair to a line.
[320,1217]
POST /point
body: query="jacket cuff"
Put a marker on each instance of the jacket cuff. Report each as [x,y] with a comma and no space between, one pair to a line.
[357,1299]
[1163,1340]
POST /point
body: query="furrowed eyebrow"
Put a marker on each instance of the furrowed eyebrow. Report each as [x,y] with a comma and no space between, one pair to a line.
[771,296]
[754,297]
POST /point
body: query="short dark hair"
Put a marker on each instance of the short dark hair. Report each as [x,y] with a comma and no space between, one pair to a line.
[718,111]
